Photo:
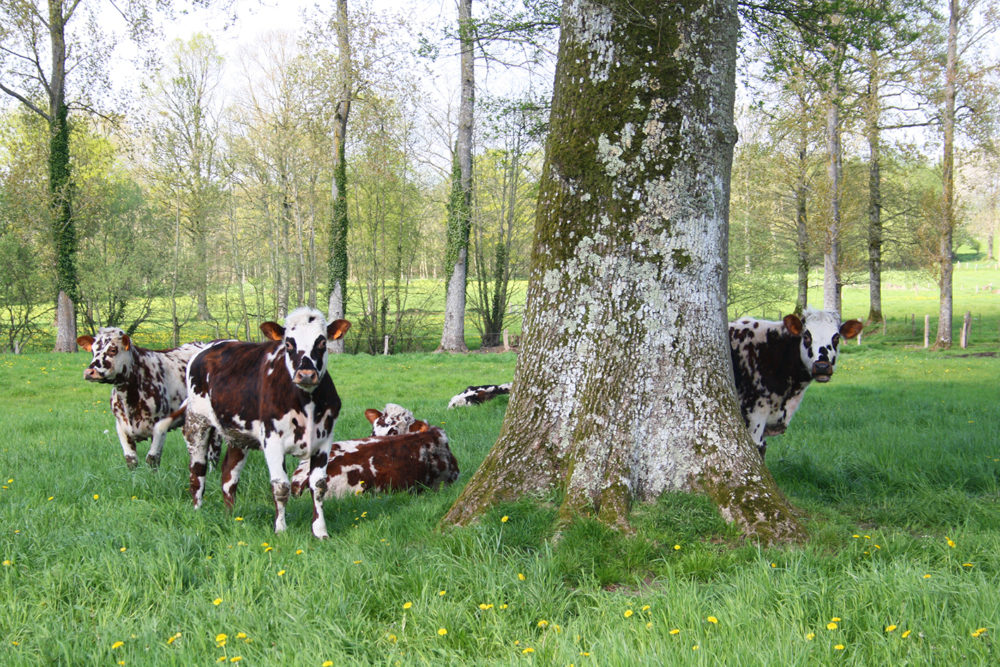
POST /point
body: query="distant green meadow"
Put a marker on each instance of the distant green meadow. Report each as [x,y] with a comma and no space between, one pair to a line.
[894,467]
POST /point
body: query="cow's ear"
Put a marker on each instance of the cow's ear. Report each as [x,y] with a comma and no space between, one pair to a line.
[126,342]
[851,328]
[272,330]
[337,329]
[371,414]
[86,342]
[419,426]
[793,324]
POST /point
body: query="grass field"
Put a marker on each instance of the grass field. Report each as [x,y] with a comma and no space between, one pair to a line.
[895,466]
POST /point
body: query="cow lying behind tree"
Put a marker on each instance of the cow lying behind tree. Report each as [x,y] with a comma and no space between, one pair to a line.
[474,395]
[276,396]
[774,362]
[147,386]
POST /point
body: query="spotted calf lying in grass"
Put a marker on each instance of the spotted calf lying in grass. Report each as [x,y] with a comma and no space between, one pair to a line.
[474,395]
[774,362]
[147,387]
[410,455]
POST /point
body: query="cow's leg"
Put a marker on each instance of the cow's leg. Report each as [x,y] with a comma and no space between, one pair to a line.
[197,432]
[318,486]
[757,424]
[300,478]
[274,452]
[159,435]
[128,445]
[235,459]
[214,448]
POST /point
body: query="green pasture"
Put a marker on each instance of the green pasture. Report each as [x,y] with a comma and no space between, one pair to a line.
[894,465]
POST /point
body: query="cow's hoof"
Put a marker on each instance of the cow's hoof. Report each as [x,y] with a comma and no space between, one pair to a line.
[153,461]
[131,462]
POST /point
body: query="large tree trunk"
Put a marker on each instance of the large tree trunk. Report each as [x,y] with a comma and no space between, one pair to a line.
[460,218]
[337,269]
[943,340]
[623,389]
[874,193]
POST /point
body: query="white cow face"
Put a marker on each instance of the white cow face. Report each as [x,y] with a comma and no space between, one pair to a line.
[396,420]
[821,333]
[304,338]
[112,350]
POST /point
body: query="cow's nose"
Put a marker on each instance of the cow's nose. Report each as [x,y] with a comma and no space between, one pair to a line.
[822,368]
[91,374]
[306,377]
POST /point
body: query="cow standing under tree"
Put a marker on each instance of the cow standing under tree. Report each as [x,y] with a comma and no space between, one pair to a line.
[276,396]
[147,387]
[774,362]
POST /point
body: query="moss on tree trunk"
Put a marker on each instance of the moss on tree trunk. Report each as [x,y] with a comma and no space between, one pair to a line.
[623,389]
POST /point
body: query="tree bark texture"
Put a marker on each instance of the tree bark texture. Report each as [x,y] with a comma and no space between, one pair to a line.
[623,389]
[801,213]
[337,268]
[460,218]
[945,306]
[831,253]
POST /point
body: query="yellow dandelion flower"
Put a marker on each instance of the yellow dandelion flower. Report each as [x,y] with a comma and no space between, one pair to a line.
[774,565]
[503,606]
[241,635]
[268,549]
[890,628]
[241,543]
[695,647]
[407,605]
[542,623]
[811,636]
[967,565]
[239,518]
[441,593]
[357,562]
[281,573]
[675,631]
[979,631]
[835,619]
[528,650]
[677,547]
[504,519]
[485,606]
[927,576]
[52,497]
[649,626]
[712,619]
[645,607]
[173,638]
[221,637]
[831,626]
[855,536]
[97,496]
[236,658]
[123,549]
[117,645]
[585,654]
[221,658]
[442,632]
[298,552]
[557,628]
[327,663]
[906,633]
[628,613]
[391,638]
[217,601]
[7,563]
[520,577]
[121,662]
[838,647]
[950,542]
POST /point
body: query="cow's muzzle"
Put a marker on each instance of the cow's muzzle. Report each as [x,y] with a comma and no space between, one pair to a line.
[92,375]
[822,370]
[306,379]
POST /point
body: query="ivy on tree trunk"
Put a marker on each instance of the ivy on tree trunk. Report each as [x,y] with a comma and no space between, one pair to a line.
[623,389]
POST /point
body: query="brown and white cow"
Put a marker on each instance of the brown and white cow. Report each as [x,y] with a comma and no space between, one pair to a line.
[417,459]
[474,395]
[276,396]
[774,362]
[394,420]
[147,386]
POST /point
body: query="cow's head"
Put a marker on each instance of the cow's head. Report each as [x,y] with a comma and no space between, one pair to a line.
[304,338]
[112,350]
[396,420]
[820,332]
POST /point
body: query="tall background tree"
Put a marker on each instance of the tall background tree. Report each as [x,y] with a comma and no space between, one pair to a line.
[643,105]
[337,280]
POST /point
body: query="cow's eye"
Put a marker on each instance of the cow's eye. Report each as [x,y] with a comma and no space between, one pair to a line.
[112,351]
[836,339]
[807,339]
[320,343]
[289,346]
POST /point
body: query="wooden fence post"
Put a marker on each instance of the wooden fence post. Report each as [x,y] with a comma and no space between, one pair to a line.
[927,330]
[506,342]
[966,326]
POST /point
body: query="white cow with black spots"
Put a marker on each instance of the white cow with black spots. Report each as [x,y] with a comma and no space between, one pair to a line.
[774,362]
